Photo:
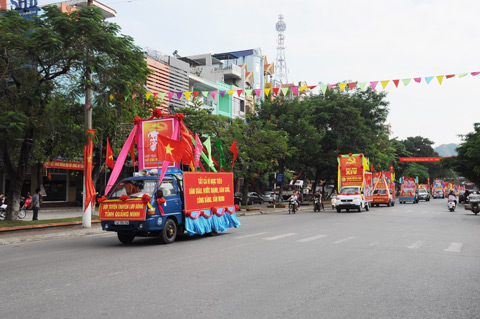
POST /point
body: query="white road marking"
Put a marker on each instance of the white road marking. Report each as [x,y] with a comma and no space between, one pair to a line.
[343,240]
[416,245]
[454,247]
[304,240]
[280,236]
[375,243]
[251,235]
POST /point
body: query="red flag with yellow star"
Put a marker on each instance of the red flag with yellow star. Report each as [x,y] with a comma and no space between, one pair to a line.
[90,192]
[109,161]
[169,150]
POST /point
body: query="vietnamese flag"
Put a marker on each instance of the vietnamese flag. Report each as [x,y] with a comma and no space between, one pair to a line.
[187,157]
[90,192]
[170,150]
[109,157]
[233,149]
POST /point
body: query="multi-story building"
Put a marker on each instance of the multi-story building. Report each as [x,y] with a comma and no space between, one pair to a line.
[169,75]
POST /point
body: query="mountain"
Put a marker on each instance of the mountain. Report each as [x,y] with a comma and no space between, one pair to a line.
[446,149]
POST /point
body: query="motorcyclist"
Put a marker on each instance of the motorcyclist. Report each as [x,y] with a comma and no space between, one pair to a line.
[452,197]
[318,200]
[294,200]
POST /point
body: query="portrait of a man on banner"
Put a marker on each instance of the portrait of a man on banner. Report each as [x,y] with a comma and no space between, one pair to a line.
[148,143]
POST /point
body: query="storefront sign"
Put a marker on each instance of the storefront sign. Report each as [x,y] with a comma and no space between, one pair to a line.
[133,209]
[207,190]
[421,159]
[64,165]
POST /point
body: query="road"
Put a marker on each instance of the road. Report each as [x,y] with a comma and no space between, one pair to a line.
[406,261]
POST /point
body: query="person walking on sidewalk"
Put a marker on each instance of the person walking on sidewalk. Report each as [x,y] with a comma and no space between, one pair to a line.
[36,204]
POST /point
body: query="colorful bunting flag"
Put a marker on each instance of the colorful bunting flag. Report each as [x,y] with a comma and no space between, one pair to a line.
[170,95]
[440,79]
[449,76]
[396,82]
[248,92]
[187,95]
[179,95]
[303,88]
[267,91]
[428,79]
[373,84]
[134,95]
[461,75]
[384,83]
[205,93]
[406,81]
[233,149]
[258,92]
[276,90]
[222,93]
[418,80]
[230,92]
[323,87]
[213,94]
[195,93]
[352,85]
[239,92]
[342,86]
[218,144]
[285,91]
[311,87]
[294,89]
[147,96]
[111,97]
[362,85]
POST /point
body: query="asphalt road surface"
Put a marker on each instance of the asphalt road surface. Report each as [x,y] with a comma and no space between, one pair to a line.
[406,261]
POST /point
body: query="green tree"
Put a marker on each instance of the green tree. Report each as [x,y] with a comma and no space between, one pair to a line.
[467,162]
[44,63]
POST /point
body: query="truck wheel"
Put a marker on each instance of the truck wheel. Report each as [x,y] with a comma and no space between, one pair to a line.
[367,207]
[388,204]
[125,237]
[339,210]
[169,232]
[360,208]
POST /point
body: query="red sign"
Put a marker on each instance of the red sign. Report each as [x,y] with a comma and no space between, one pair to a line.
[131,209]
[147,147]
[63,165]
[206,190]
[351,170]
[422,159]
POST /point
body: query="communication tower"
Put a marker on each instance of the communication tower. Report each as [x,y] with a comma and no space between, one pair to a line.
[281,71]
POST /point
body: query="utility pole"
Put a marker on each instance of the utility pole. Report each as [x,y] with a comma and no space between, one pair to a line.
[87,213]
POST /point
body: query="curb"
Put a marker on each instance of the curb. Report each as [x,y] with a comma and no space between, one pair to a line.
[28,227]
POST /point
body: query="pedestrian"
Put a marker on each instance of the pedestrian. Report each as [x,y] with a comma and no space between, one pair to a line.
[334,202]
[36,203]
[2,199]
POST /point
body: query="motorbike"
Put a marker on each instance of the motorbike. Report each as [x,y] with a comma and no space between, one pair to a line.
[451,205]
[316,204]
[473,203]
[25,203]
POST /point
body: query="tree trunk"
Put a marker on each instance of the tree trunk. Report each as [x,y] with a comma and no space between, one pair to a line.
[17,175]
[245,191]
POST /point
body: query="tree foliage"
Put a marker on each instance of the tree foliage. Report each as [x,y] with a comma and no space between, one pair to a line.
[43,65]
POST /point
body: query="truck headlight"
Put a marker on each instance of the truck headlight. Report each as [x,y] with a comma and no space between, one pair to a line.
[106,226]
[140,226]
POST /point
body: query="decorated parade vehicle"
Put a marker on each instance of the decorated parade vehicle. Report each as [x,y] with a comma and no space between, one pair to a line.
[355,183]
[382,192]
[438,190]
[408,191]
[160,199]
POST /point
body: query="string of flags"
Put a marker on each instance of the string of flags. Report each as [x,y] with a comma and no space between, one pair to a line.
[295,90]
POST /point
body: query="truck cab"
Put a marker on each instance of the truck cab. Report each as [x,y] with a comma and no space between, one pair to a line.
[351,197]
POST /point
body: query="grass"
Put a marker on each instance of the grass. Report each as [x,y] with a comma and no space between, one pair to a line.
[14,223]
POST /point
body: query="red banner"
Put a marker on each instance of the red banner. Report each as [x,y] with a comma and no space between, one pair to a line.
[351,170]
[206,190]
[422,159]
[132,209]
[63,165]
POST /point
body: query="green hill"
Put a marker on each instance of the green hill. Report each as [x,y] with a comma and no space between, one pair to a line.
[446,149]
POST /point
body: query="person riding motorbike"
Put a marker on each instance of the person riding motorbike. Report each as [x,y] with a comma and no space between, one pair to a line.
[294,201]
[452,197]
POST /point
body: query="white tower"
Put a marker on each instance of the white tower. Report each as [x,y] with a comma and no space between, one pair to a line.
[281,71]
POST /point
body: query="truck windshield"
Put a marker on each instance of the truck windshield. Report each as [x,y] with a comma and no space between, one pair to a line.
[135,188]
[380,191]
[350,190]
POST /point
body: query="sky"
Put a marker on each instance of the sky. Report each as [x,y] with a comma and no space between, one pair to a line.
[336,42]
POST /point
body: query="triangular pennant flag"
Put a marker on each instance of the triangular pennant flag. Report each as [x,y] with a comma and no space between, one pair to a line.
[170,95]
[362,85]
[88,106]
[205,93]
[384,83]
[187,95]
[162,95]
[154,96]
[323,87]
[276,90]
[239,92]
[331,86]
[418,80]
[222,93]
[396,82]
[267,91]
[475,73]
[134,95]
[195,93]
[461,75]
[440,79]
[303,88]
[311,87]
[449,76]
[406,81]
[342,86]
[213,94]
[119,96]
[428,79]
[179,95]
[258,92]
[248,92]
[294,89]
[125,97]
[284,91]
[111,97]
[373,84]
[352,85]
[147,96]
[230,92]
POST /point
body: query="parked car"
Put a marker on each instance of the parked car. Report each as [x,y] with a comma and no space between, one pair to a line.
[269,196]
[253,198]
[423,194]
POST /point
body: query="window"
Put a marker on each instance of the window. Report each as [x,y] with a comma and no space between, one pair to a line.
[168,188]
[134,188]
